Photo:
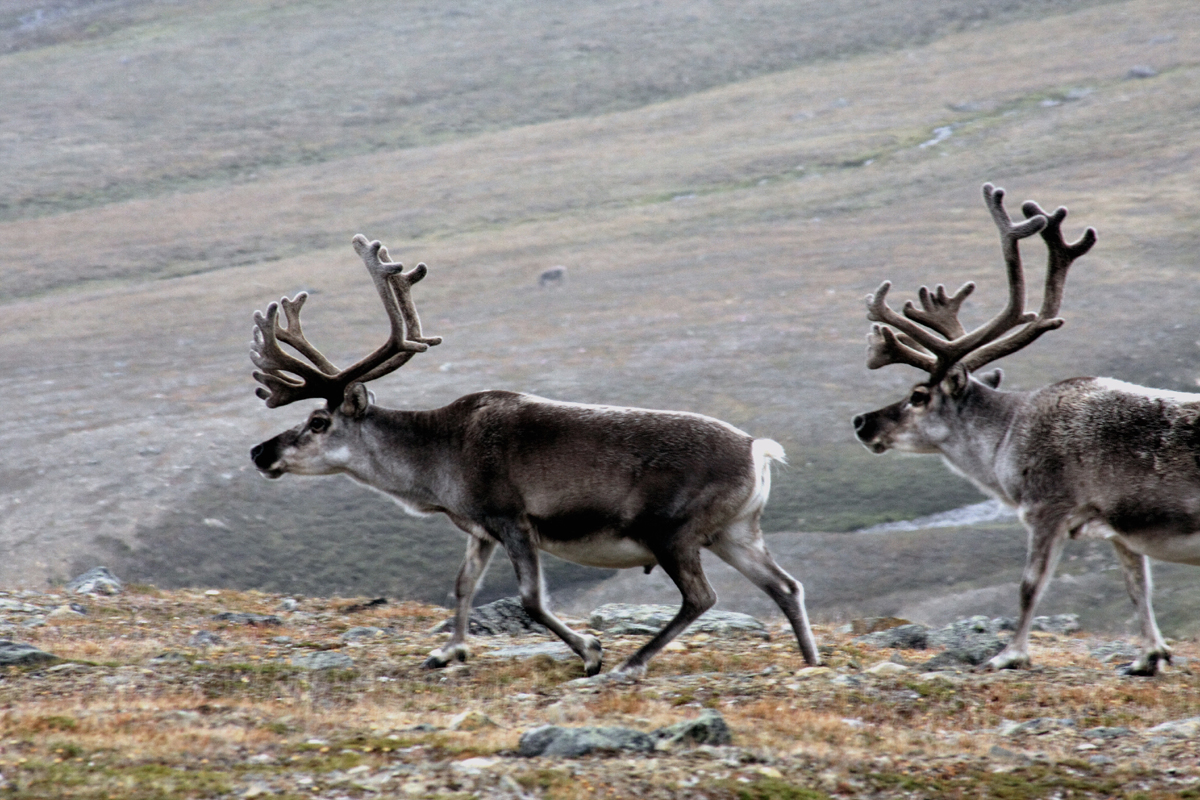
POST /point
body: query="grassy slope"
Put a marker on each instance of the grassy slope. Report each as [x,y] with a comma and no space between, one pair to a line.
[718,245]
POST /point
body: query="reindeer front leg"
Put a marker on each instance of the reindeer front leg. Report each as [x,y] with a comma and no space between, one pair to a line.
[519,544]
[479,553]
[1046,540]
[1136,569]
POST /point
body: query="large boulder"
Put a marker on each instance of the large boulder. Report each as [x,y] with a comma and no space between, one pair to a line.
[552,740]
[623,619]
[504,616]
[15,653]
[97,580]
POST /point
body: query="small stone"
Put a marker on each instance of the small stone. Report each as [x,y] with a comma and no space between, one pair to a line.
[357,634]
[240,618]
[1179,728]
[1141,71]
[324,659]
[471,721]
[866,625]
[887,668]
[204,639]
[812,672]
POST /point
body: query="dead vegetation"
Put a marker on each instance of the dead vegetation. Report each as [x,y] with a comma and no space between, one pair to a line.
[135,708]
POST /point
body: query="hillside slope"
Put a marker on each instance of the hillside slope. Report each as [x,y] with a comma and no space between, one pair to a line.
[718,244]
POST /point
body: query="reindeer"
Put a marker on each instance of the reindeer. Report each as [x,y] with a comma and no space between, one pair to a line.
[598,485]
[1085,457]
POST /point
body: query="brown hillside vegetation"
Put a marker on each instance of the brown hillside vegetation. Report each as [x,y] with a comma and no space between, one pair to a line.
[154,697]
[169,168]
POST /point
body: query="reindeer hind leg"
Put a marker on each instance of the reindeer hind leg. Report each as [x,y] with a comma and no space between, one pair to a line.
[682,563]
[741,547]
[1136,569]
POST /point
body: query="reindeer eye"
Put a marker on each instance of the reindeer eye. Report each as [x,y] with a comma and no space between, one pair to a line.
[318,424]
[919,397]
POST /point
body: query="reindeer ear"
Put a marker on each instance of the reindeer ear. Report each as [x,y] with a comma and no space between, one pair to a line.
[956,381]
[992,378]
[356,401]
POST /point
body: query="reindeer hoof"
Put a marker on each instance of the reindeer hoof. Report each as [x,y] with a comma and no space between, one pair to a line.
[1007,660]
[1146,665]
[443,657]
[593,656]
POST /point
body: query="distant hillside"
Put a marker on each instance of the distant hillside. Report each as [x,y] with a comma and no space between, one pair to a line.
[722,182]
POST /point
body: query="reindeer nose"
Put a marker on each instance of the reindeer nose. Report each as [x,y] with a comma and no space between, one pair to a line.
[859,421]
[255,452]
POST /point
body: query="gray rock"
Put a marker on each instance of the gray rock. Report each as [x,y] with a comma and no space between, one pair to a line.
[324,659]
[241,618]
[708,728]
[504,616]
[1114,651]
[97,580]
[16,653]
[902,637]
[1036,727]
[556,650]
[552,740]
[1141,71]
[18,606]
[622,619]
[204,639]
[971,641]
[1105,733]
[1059,623]
[364,632]
[1178,728]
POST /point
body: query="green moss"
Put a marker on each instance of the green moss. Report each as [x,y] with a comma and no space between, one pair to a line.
[776,789]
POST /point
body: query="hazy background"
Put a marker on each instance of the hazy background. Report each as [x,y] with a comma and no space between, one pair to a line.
[723,181]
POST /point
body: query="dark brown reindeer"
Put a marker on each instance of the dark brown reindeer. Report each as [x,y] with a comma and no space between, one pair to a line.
[597,485]
[1086,457]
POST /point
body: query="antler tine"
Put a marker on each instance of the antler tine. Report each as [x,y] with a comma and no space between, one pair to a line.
[395,291]
[1058,261]
[277,364]
[879,311]
[885,346]
[285,378]
[938,311]
[294,334]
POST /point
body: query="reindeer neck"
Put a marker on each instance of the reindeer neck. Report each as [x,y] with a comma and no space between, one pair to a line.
[404,454]
[982,426]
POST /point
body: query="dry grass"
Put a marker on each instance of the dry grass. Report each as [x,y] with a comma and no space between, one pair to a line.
[706,272]
[135,710]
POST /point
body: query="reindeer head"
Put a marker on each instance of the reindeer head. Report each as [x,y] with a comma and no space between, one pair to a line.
[324,443]
[933,340]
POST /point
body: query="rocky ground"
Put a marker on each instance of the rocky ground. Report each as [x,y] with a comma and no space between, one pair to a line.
[148,693]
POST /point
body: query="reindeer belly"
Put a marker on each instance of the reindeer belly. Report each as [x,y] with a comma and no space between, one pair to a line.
[601,550]
[1174,547]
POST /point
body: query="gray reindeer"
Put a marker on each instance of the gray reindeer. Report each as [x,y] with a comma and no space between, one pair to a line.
[597,485]
[1085,457]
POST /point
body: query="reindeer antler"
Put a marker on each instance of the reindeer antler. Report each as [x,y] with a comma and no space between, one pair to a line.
[933,339]
[286,379]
